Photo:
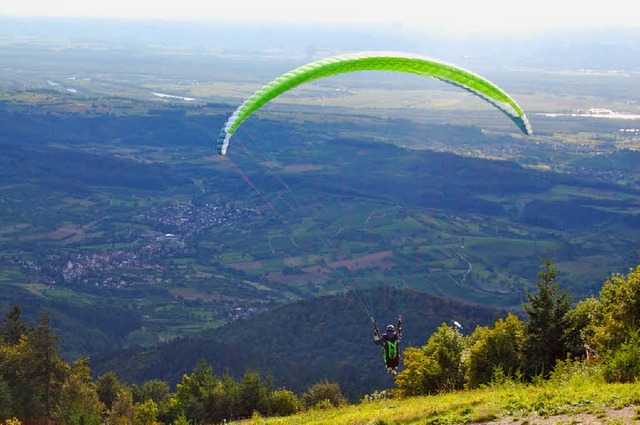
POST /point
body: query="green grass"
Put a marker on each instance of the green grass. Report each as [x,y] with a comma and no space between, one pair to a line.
[512,401]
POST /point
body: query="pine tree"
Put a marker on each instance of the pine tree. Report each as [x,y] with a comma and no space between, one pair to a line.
[12,327]
[6,410]
[546,329]
[108,386]
[79,402]
[123,411]
[195,392]
[47,370]
[254,395]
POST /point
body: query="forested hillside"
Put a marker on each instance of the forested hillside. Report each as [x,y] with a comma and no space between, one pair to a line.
[327,338]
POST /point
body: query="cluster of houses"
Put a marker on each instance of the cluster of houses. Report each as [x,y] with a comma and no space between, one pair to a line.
[144,259]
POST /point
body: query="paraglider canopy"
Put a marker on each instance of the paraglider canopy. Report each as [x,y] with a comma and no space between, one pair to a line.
[375,61]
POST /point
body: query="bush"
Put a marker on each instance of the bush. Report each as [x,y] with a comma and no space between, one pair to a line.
[324,392]
[435,367]
[617,313]
[570,371]
[181,420]
[623,365]
[147,412]
[420,374]
[445,346]
[323,405]
[377,395]
[284,403]
[496,354]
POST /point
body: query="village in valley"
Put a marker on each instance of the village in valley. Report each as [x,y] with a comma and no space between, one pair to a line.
[143,259]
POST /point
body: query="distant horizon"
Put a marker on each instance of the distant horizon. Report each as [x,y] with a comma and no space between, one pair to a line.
[280,47]
[449,19]
[319,29]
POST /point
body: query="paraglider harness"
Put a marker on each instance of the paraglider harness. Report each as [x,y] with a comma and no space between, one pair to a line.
[389,342]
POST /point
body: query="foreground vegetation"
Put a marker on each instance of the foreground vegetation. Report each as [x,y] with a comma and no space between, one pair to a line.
[514,368]
[564,395]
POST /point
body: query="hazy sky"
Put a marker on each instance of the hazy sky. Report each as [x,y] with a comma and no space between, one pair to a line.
[438,15]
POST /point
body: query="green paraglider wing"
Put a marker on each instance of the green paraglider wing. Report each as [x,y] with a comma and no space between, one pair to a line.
[375,61]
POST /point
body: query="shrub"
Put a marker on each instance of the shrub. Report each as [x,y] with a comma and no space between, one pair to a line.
[445,346]
[284,403]
[575,371]
[623,365]
[420,374]
[181,420]
[496,354]
[324,391]
[377,395]
[618,312]
[147,412]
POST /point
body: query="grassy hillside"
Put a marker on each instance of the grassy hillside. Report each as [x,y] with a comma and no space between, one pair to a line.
[576,401]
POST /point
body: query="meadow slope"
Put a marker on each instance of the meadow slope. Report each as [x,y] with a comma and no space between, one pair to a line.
[575,401]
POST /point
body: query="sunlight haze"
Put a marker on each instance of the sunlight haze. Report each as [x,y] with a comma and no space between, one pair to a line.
[460,17]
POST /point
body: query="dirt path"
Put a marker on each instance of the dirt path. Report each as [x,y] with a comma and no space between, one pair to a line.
[625,416]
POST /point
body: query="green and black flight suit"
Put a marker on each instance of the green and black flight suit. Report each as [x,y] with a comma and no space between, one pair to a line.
[390,341]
